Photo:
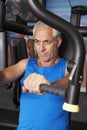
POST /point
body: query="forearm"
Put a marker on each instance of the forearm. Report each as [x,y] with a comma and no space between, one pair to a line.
[61,83]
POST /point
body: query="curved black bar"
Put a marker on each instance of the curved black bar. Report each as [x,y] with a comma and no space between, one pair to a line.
[55,90]
[10,25]
[19,28]
[72,35]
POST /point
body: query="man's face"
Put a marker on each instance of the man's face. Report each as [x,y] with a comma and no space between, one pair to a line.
[46,45]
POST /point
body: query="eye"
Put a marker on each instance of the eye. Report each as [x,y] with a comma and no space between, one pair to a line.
[47,42]
[37,42]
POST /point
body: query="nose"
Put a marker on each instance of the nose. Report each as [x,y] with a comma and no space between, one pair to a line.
[42,46]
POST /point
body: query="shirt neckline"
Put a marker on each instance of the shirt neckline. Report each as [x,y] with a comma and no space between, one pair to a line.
[47,66]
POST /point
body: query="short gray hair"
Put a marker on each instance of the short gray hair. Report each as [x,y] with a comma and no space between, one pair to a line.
[56,33]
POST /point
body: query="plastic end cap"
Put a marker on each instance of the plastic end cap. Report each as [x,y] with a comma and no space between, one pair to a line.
[70,107]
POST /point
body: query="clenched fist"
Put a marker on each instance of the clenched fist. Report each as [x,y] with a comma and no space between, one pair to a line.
[33,81]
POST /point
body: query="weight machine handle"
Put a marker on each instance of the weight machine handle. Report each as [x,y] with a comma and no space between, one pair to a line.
[55,90]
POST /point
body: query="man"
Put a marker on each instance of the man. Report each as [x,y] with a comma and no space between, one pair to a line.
[41,111]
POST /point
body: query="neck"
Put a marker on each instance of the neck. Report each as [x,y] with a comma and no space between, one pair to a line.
[48,63]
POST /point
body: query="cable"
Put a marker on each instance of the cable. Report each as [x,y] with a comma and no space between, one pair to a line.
[70,3]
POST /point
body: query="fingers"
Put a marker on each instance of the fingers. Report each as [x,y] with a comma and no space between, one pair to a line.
[33,82]
[24,89]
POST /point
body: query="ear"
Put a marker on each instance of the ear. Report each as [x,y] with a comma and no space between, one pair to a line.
[59,41]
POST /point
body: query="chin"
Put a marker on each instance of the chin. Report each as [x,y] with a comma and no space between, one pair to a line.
[45,60]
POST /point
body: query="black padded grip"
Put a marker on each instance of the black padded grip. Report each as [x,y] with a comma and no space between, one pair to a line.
[55,90]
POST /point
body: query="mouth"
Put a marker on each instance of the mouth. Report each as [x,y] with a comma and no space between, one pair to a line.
[43,54]
[44,57]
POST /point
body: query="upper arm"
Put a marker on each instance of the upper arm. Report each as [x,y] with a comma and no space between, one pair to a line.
[13,72]
[20,67]
[64,81]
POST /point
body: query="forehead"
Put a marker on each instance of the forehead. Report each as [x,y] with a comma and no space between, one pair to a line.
[43,32]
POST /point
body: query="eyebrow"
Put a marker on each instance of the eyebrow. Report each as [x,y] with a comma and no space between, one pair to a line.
[42,41]
[36,40]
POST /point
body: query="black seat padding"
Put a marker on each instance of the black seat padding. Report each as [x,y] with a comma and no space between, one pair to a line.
[19,52]
[66,49]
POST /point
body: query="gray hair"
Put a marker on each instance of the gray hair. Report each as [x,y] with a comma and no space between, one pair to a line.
[56,33]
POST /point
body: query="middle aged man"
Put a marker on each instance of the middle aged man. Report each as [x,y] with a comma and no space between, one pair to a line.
[41,111]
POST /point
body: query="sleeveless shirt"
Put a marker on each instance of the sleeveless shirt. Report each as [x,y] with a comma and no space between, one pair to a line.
[43,112]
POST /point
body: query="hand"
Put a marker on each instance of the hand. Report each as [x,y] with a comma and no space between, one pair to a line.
[33,82]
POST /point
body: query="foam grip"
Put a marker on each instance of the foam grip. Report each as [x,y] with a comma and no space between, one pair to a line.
[55,90]
[72,98]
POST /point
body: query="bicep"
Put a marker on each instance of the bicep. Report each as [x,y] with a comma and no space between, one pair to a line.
[13,72]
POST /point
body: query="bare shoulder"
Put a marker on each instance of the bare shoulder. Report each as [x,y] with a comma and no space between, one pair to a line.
[22,64]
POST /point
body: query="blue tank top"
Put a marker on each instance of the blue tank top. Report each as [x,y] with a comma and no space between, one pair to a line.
[43,112]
